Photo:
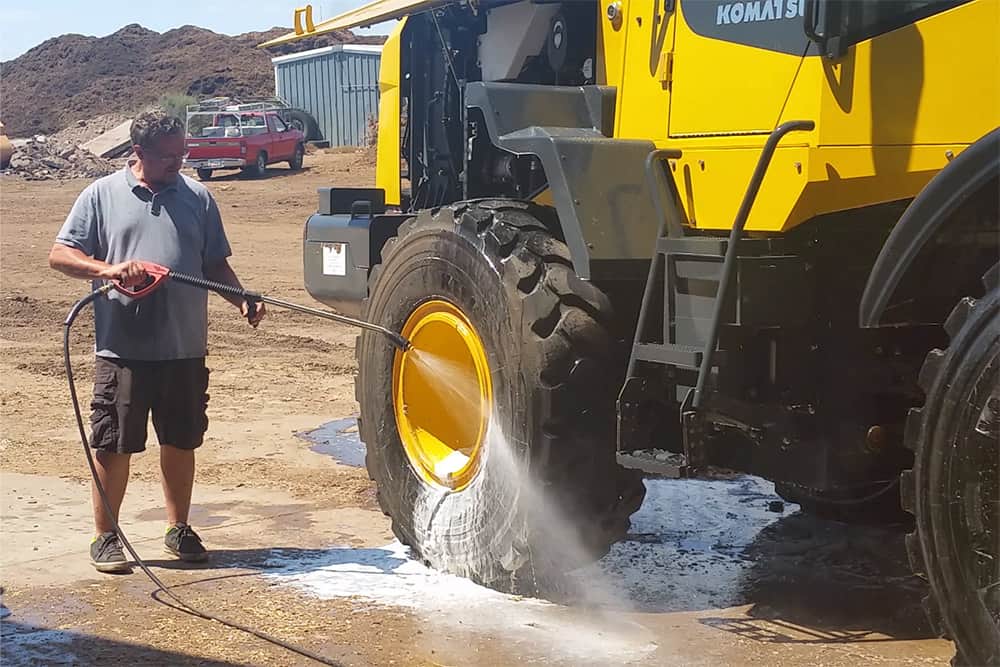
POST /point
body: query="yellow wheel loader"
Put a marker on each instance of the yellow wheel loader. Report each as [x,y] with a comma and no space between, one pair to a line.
[653,236]
[6,148]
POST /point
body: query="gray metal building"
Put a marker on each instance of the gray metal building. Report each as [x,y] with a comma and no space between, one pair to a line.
[338,85]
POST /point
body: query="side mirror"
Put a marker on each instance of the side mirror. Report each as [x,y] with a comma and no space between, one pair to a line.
[823,23]
[811,21]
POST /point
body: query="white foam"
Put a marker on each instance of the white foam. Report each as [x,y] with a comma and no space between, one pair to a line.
[697,532]
[387,576]
[451,464]
[23,645]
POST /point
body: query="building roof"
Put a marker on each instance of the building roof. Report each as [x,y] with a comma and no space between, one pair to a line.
[326,50]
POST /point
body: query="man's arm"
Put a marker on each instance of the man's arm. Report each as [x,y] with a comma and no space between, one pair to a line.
[221,272]
[77,264]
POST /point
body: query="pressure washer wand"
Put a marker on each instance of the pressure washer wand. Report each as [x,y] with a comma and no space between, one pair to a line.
[394,337]
[160,273]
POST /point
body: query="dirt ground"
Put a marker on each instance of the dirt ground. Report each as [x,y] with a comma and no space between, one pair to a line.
[765,589]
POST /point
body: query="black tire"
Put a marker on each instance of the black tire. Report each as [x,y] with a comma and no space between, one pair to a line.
[204,174]
[876,503]
[296,162]
[555,378]
[953,489]
[260,165]
[301,121]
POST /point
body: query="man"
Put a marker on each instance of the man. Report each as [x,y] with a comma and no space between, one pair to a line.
[150,352]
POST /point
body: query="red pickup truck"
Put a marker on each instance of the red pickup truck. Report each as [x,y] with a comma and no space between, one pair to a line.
[247,140]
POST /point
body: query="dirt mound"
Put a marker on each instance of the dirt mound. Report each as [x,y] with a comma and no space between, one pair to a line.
[43,160]
[69,78]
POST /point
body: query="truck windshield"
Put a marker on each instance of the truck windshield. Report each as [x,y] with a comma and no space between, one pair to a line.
[214,124]
[868,19]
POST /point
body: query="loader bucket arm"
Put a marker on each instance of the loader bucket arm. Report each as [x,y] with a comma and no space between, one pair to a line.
[370,14]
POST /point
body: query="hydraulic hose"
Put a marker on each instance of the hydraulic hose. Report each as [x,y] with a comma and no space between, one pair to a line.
[67,325]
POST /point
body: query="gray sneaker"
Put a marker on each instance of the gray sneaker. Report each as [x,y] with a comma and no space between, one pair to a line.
[106,554]
[183,542]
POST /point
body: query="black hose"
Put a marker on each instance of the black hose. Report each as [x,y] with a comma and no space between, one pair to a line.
[213,286]
[74,311]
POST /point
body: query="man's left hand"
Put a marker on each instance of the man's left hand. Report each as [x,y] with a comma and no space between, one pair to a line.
[254,319]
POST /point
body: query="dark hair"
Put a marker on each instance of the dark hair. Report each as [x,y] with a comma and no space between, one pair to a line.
[149,127]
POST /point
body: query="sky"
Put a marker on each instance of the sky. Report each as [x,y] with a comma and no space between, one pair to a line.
[24,25]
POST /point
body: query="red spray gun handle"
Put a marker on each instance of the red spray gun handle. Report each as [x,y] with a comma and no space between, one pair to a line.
[156,276]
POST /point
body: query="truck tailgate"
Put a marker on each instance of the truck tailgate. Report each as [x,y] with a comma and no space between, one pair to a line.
[202,149]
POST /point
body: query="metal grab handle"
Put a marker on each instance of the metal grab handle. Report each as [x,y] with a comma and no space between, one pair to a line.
[734,237]
[668,224]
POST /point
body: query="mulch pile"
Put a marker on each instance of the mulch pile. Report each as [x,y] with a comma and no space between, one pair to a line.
[72,77]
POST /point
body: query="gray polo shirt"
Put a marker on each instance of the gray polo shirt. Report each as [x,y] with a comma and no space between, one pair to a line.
[116,219]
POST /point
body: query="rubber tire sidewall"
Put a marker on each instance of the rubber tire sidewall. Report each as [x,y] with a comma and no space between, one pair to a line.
[965,358]
[307,124]
[296,162]
[443,264]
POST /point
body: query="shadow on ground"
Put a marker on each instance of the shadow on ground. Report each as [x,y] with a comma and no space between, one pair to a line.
[817,581]
[278,170]
[25,644]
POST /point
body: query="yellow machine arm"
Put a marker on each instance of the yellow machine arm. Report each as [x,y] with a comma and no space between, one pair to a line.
[370,14]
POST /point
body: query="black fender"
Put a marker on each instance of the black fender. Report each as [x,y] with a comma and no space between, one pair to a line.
[597,183]
[925,219]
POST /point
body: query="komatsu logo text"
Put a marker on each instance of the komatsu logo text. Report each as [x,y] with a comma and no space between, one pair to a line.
[759,10]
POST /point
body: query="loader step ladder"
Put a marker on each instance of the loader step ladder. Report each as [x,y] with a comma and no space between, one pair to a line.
[703,280]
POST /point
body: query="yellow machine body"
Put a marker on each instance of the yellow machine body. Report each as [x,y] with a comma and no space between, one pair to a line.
[793,347]
[889,113]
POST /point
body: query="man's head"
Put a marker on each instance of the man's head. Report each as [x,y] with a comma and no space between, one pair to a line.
[158,142]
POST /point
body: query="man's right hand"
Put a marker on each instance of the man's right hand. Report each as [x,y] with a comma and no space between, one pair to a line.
[74,262]
[129,274]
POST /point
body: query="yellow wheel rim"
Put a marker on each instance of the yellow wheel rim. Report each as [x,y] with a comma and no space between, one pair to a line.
[442,395]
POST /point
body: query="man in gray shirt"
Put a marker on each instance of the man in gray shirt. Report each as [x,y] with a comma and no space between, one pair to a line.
[150,352]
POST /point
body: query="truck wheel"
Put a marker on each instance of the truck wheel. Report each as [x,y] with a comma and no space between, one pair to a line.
[876,503]
[492,442]
[260,166]
[301,121]
[953,489]
[204,174]
[296,162]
